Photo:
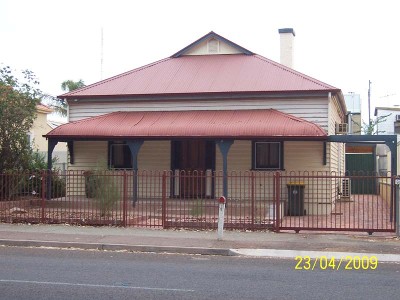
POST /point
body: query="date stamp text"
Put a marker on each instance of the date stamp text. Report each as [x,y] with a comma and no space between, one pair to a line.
[336,263]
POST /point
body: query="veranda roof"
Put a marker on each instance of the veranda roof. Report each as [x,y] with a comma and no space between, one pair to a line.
[237,124]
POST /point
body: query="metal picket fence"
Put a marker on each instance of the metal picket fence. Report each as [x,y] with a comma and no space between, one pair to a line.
[178,199]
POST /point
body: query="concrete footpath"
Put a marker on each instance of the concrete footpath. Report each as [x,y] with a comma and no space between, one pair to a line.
[386,247]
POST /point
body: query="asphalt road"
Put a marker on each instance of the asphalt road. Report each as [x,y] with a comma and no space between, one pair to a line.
[37,273]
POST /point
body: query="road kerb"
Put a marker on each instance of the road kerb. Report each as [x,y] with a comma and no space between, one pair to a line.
[118,247]
[279,253]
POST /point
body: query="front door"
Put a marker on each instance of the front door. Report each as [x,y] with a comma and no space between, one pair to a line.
[194,164]
[193,158]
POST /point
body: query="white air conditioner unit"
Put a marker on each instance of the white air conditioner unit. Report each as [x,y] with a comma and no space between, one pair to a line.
[346,188]
[342,128]
[397,118]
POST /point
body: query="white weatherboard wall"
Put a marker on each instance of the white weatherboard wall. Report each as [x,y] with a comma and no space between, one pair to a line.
[153,156]
[302,156]
[335,151]
[314,110]
[239,157]
[307,158]
[87,156]
[335,154]
[299,156]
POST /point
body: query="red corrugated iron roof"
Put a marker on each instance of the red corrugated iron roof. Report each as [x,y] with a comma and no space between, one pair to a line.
[202,74]
[267,123]
[43,108]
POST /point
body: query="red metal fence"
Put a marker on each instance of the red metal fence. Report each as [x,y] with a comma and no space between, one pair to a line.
[176,199]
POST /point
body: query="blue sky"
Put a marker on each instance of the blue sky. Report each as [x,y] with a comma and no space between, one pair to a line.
[343,43]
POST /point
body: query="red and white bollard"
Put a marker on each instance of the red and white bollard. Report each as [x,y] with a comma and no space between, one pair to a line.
[221,217]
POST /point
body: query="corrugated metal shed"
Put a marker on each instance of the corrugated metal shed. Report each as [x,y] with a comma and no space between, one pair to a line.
[186,124]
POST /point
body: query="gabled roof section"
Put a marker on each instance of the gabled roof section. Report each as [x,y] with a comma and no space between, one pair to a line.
[208,36]
[390,108]
[43,108]
[204,75]
[238,124]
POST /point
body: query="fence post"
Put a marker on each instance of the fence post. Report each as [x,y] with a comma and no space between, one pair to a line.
[277,177]
[397,205]
[221,217]
[124,199]
[393,198]
[44,176]
[252,198]
[164,200]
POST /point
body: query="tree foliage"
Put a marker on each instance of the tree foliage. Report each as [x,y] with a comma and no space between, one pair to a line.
[70,85]
[18,100]
[372,128]
[59,104]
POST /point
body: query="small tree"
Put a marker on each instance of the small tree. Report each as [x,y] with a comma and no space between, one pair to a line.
[104,187]
[18,102]
[372,127]
[59,105]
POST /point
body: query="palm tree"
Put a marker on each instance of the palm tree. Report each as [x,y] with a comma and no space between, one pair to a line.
[70,85]
[59,105]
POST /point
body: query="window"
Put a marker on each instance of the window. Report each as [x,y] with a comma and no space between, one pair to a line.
[267,155]
[119,156]
[29,137]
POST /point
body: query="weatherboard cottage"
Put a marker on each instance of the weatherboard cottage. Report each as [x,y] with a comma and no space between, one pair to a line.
[213,106]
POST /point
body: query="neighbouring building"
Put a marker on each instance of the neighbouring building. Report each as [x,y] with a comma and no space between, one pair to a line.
[353,104]
[41,126]
[390,124]
[360,157]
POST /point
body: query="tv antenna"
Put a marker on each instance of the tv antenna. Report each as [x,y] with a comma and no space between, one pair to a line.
[101,55]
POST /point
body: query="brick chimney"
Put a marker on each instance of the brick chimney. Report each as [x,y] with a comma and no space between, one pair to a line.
[287,41]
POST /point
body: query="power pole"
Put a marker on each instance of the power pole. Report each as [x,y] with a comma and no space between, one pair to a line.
[369,102]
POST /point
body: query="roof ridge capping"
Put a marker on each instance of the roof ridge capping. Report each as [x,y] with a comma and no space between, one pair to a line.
[210,35]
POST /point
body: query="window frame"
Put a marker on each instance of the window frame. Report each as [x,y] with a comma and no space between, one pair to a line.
[126,165]
[254,156]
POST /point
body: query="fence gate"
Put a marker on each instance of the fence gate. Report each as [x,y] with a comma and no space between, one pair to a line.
[328,203]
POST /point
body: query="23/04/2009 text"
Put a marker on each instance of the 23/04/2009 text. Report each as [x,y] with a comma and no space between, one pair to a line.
[332,263]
